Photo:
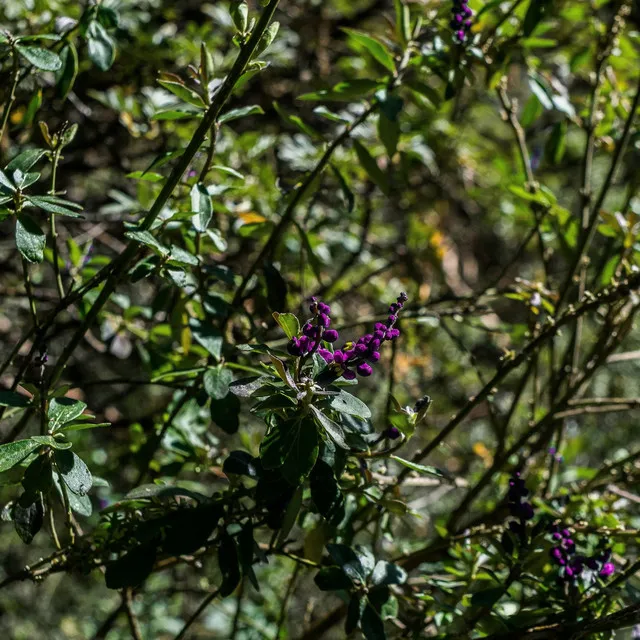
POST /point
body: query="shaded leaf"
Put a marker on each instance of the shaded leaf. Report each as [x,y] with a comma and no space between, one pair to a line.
[30,239]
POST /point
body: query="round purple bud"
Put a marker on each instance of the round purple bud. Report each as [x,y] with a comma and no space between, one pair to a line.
[338,357]
[607,569]
[392,334]
[392,433]
[324,320]
[330,335]
[374,357]
[326,354]
[347,374]
[360,349]
[364,369]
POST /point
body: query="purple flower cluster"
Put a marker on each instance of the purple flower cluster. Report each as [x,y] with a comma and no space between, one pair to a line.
[461,19]
[518,506]
[366,350]
[314,331]
[354,358]
[573,564]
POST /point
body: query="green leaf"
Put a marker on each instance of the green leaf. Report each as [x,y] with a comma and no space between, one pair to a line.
[206,335]
[40,58]
[28,516]
[146,238]
[346,189]
[386,573]
[13,399]
[201,204]
[371,167]
[276,287]
[244,387]
[421,468]
[346,403]
[63,410]
[556,144]
[13,453]
[159,491]
[66,75]
[425,90]
[229,171]
[242,112]
[183,92]
[347,559]
[101,46]
[242,463]
[325,492]
[74,471]
[187,530]
[225,413]
[535,13]
[50,441]
[132,568]
[293,446]
[290,516]
[344,91]
[55,205]
[25,160]
[332,579]
[147,176]
[177,255]
[107,17]
[288,323]
[6,182]
[216,381]
[229,565]
[329,115]
[176,114]
[488,597]
[38,475]
[389,133]
[372,625]
[30,239]
[378,50]
[333,429]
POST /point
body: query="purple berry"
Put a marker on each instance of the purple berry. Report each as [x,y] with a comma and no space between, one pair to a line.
[364,369]
[392,433]
[330,335]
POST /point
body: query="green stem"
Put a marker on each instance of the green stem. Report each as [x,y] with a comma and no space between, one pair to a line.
[15,77]
[52,227]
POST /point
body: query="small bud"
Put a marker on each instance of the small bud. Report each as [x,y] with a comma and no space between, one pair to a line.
[240,15]
[267,37]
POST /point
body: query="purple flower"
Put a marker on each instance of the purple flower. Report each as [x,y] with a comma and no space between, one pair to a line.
[326,354]
[607,569]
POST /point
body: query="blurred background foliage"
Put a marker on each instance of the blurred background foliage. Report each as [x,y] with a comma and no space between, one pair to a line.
[443,216]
